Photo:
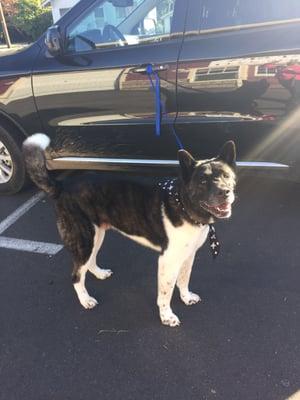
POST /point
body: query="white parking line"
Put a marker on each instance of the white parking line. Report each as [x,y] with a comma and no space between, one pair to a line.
[30,246]
[20,211]
[21,244]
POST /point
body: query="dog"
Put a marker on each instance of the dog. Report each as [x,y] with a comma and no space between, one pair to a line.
[172,217]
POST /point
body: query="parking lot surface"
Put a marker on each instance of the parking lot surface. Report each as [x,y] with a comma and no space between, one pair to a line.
[241,342]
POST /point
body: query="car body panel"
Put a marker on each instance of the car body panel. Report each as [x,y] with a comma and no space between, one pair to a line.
[236,83]
[100,103]
[242,84]
[104,107]
[16,98]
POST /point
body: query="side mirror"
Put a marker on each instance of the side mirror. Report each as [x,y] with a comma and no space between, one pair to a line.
[53,41]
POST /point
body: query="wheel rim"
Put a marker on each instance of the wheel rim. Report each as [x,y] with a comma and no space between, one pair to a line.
[6,164]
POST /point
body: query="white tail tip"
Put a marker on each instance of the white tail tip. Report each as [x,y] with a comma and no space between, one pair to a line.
[38,139]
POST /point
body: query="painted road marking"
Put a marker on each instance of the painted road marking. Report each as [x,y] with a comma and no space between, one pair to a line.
[30,246]
[21,244]
[20,211]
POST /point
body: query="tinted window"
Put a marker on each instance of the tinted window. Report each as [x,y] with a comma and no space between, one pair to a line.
[108,25]
[222,13]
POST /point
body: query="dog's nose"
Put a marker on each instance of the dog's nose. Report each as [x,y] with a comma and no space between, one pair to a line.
[224,193]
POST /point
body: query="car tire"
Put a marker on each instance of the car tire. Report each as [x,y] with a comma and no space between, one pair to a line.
[12,167]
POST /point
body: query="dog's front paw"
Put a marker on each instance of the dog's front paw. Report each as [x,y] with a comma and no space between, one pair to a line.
[169,319]
[190,298]
[88,302]
[101,273]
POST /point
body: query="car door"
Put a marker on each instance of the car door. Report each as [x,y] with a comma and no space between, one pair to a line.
[96,101]
[239,78]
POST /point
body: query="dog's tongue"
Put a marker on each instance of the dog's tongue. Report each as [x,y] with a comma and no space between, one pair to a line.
[223,206]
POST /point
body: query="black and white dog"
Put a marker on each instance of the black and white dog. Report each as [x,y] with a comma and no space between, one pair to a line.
[172,218]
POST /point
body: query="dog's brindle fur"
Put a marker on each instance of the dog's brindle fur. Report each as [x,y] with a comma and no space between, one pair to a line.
[148,214]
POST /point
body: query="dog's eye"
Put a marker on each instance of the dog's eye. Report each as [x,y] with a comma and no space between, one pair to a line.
[226,176]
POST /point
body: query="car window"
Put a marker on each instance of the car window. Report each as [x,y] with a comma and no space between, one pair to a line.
[107,24]
[218,14]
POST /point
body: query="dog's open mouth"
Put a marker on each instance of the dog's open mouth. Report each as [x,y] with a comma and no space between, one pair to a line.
[220,211]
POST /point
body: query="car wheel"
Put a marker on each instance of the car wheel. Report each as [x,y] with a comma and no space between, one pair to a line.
[12,167]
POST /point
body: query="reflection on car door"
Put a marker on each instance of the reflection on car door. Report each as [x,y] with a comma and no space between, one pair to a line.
[239,78]
[99,102]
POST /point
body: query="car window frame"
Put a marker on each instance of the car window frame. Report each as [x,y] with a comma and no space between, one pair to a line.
[193,23]
[180,8]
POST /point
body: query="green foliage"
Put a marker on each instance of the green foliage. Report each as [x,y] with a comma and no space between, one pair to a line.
[31,18]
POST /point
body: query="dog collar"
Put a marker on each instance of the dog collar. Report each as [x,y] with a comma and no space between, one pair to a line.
[169,186]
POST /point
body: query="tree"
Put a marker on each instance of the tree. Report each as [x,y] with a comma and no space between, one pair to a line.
[4,26]
[31,18]
[26,19]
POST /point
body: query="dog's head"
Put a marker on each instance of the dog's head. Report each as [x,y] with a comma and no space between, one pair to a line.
[209,184]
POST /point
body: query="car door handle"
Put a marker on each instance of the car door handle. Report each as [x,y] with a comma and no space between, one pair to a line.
[143,69]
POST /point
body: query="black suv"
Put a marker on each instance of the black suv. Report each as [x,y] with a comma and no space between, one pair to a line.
[229,69]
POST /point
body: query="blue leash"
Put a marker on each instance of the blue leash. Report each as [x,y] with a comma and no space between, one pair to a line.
[160,108]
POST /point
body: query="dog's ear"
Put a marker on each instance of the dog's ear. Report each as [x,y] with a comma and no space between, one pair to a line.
[228,154]
[187,164]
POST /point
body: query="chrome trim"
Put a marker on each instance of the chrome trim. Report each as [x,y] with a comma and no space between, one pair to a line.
[261,164]
[120,161]
[151,162]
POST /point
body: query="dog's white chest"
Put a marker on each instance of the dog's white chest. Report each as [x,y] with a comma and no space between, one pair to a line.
[188,238]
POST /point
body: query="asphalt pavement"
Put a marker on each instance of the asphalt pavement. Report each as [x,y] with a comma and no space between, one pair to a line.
[241,343]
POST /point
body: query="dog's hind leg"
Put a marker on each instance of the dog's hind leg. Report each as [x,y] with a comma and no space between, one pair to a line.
[98,272]
[79,285]
[183,280]
[92,243]
[83,239]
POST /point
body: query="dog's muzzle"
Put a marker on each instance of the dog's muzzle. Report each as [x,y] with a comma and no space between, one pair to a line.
[222,210]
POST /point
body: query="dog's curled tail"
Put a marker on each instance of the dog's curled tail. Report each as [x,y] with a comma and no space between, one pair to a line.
[34,153]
